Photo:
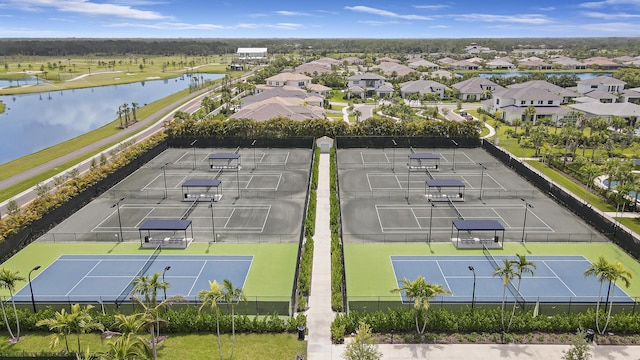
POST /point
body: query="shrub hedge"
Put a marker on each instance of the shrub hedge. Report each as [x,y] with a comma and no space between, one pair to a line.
[337,280]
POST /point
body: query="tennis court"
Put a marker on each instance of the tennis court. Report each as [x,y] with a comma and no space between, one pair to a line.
[108,278]
[557,279]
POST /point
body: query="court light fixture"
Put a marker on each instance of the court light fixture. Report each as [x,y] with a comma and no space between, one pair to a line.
[524,222]
[454,154]
[193,143]
[166,268]
[33,301]
[473,292]
[117,205]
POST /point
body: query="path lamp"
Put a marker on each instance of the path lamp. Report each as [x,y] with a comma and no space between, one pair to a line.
[117,205]
[33,301]
[254,154]
[193,143]
[164,176]
[473,292]
[526,210]
[482,169]
[213,229]
[393,160]
[430,219]
[166,268]
[454,154]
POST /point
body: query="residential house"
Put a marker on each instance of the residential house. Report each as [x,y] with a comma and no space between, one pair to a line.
[464,65]
[476,88]
[568,63]
[628,111]
[499,64]
[601,83]
[513,102]
[352,60]
[289,101]
[600,62]
[319,89]
[423,87]
[531,64]
[312,69]
[388,59]
[567,94]
[288,78]
[442,74]
[389,68]
[602,96]
[283,92]
[424,64]
[474,48]
[446,61]
[631,96]
[367,84]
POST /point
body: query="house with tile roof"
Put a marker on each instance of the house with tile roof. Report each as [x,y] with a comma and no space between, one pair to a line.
[499,64]
[628,111]
[423,87]
[288,78]
[421,63]
[476,88]
[464,65]
[631,96]
[568,63]
[512,102]
[601,83]
[368,84]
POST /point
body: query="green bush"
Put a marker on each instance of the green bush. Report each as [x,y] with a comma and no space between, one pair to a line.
[337,270]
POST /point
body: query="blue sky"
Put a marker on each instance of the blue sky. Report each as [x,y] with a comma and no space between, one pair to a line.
[317,19]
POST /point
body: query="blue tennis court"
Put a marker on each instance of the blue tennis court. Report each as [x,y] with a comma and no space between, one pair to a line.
[556,279]
[107,278]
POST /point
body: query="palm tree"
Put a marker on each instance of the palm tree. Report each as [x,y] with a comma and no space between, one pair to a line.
[77,321]
[507,272]
[602,270]
[618,273]
[210,298]
[134,107]
[357,114]
[523,266]
[232,295]
[127,347]
[420,292]
[151,317]
[8,281]
[530,112]
[148,287]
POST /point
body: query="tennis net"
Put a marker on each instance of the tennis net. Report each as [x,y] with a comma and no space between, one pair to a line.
[190,209]
[516,294]
[125,294]
[455,208]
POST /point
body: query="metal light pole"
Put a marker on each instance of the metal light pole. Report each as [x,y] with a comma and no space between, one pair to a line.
[393,159]
[193,143]
[430,218]
[213,228]
[117,205]
[473,292]
[526,210]
[454,154]
[254,154]
[33,301]
[164,176]
[166,268]
[482,169]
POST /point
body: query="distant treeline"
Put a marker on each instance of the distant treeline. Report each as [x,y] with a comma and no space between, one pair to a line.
[577,47]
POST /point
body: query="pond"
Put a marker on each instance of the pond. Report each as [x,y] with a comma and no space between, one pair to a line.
[32,122]
[28,80]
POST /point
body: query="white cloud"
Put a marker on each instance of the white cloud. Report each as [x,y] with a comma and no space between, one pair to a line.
[87,8]
[531,19]
[608,3]
[290,13]
[548,8]
[285,26]
[439,27]
[431,7]
[379,23]
[170,26]
[380,12]
[610,16]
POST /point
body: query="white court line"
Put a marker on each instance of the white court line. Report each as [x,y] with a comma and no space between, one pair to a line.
[496,181]
[229,218]
[395,276]
[265,219]
[557,277]
[286,159]
[387,157]
[197,277]
[150,182]
[279,180]
[415,218]
[180,158]
[444,277]
[84,277]
[506,224]
[362,158]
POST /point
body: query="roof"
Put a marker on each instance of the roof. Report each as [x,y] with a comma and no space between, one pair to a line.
[444,183]
[288,76]
[224,156]
[475,85]
[609,109]
[478,225]
[421,85]
[423,156]
[201,183]
[366,76]
[165,224]
[252,50]
[602,80]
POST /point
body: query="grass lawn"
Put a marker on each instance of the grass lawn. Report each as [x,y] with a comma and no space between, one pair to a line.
[271,273]
[182,346]
[369,273]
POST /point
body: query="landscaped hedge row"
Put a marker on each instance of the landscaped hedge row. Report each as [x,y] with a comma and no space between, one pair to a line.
[183,320]
[46,200]
[337,270]
[285,127]
[306,262]
[480,320]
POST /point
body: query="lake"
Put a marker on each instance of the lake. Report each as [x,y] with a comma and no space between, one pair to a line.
[32,122]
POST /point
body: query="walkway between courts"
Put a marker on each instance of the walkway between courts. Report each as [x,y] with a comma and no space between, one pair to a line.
[320,315]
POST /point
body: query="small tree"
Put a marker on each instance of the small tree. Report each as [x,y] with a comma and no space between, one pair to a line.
[363,346]
[579,349]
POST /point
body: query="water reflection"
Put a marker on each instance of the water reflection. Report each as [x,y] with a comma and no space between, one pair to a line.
[30,123]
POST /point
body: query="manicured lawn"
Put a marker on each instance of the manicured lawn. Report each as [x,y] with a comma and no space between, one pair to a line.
[183,346]
[271,272]
[369,273]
